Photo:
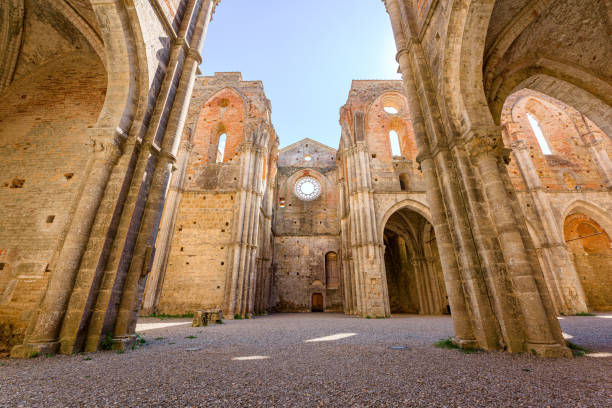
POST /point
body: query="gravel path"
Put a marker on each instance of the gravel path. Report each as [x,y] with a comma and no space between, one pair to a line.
[360,369]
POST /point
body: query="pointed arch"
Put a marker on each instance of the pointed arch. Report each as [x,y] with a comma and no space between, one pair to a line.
[390,133]
[223,113]
[598,214]
[413,205]
[573,86]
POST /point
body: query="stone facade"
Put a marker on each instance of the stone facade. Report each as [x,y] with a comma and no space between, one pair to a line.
[306,233]
[217,230]
[114,187]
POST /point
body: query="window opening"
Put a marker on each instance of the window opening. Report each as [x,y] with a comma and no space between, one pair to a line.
[391,110]
[395,145]
[538,134]
[307,189]
[221,148]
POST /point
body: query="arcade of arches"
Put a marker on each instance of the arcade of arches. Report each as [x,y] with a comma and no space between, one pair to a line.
[479,185]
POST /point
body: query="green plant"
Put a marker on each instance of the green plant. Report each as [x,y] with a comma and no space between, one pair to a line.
[446,344]
[237,317]
[160,338]
[48,355]
[368,317]
[191,337]
[87,359]
[381,317]
[140,339]
[172,342]
[584,314]
[450,344]
[120,351]
[576,349]
[35,354]
[219,321]
[108,342]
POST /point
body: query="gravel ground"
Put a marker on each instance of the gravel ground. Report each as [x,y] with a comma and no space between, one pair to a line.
[359,370]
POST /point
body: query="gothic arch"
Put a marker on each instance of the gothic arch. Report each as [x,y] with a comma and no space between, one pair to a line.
[509,33]
[410,204]
[381,123]
[218,107]
[126,95]
[594,212]
[571,85]
[464,94]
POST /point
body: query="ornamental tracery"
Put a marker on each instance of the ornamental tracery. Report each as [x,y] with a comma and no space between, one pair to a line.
[307,188]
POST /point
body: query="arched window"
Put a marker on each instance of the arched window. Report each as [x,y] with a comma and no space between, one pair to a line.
[539,135]
[332,277]
[221,148]
[391,110]
[395,144]
[404,181]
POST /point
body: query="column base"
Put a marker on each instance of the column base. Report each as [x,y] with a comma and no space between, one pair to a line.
[124,343]
[549,350]
[69,347]
[32,350]
[465,343]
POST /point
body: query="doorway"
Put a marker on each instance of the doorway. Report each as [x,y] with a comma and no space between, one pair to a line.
[317,302]
[415,281]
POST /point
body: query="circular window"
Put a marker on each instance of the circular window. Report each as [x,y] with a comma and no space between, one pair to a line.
[307,189]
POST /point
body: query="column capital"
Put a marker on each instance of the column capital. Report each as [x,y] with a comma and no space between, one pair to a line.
[107,143]
[195,54]
[486,141]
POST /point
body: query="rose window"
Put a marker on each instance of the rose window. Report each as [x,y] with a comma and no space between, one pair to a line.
[307,189]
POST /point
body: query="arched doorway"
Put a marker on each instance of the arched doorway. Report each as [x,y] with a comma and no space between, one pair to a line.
[412,265]
[591,251]
[317,302]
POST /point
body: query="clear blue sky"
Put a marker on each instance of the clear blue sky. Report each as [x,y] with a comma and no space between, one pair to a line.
[306,53]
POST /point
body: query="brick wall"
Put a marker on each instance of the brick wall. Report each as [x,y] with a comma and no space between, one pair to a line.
[592,254]
[45,149]
[196,271]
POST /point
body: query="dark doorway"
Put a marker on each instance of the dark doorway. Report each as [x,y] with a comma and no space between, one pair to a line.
[317,302]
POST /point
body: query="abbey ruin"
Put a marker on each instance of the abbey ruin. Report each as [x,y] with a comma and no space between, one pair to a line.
[479,186]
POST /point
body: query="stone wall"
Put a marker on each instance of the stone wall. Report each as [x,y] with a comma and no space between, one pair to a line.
[197,268]
[300,272]
[305,231]
[218,238]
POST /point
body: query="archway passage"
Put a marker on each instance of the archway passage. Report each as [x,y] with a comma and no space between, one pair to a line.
[591,251]
[415,283]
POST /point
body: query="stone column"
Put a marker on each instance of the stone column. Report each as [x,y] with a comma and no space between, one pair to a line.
[43,331]
[560,273]
[483,301]
[240,283]
[465,334]
[155,278]
[536,315]
[428,290]
[144,248]
[369,266]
